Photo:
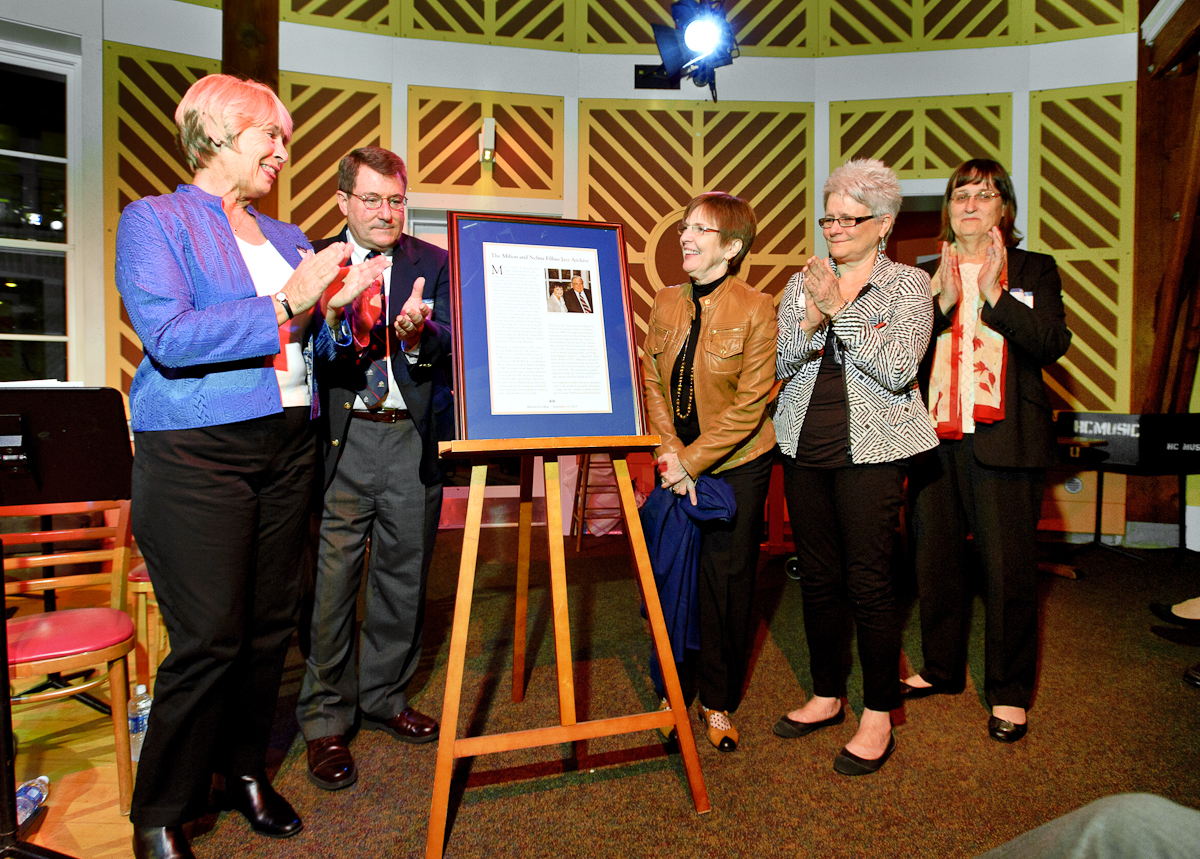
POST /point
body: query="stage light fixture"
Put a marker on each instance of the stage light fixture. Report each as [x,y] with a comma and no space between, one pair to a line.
[487,142]
[700,42]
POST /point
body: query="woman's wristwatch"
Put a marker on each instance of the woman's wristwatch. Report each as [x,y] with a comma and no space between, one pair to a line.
[282,298]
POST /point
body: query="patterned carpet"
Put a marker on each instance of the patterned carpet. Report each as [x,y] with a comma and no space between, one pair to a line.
[1111,716]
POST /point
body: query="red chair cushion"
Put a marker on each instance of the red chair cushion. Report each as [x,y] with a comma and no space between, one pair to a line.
[68,632]
[139,573]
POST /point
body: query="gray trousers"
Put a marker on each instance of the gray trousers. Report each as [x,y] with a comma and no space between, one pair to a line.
[376,496]
[1125,826]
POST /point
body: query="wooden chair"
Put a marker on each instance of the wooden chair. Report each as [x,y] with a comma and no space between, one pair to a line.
[596,475]
[151,631]
[73,639]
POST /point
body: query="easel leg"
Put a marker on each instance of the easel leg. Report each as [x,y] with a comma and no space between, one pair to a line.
[524,536]
[558,596]
[662,643]
[454,666]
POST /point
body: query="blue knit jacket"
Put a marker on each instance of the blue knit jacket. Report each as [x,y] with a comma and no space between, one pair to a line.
[192,302]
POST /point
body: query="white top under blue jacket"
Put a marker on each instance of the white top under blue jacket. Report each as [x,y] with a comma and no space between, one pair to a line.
[192,302]
[883,332]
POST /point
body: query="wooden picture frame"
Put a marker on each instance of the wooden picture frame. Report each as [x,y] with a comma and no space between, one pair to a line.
[521,370]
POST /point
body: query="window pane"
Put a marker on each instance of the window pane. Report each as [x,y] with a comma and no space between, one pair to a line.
[33,199]
[33,112]
[33,293]
[23,360]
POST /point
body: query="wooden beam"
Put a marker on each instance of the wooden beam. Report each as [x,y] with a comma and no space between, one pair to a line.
[1170,293]
[1180,37]
[250,49]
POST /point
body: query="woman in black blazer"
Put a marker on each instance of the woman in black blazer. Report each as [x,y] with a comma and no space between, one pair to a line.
[998,320]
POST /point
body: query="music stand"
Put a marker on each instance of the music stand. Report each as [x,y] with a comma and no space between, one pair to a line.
[56,445]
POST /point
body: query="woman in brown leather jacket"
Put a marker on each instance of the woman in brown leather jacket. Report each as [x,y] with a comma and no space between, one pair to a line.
[709,364]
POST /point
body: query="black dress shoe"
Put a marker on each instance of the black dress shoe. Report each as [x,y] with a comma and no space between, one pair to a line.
[330,764]
[267,812]
[1166,613]
[1192,675]
[161,842]
[1005,731]
[790,729]
[848,763]
[408,726]
[912,693]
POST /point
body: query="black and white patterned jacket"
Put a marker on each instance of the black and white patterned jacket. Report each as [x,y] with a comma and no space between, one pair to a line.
[883,334]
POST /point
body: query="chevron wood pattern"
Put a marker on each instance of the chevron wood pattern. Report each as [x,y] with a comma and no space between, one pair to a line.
[1053,20]
[142,86]
[641,162]
[922,138]
[1081,211]
[443,143]
[763,27]
[332,116]
[368,16]
[515,23]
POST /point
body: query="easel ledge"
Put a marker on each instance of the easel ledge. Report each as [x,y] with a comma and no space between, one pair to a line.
[483,448]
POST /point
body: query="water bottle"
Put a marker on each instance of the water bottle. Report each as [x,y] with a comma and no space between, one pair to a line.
[30,797]
[139,717]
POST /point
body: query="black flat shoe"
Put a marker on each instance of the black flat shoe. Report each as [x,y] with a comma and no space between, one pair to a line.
[1192,675]
[161,842]
[1005,731]
[848,763]
[790,729]
[912,693]
[1165,613]
[267,812]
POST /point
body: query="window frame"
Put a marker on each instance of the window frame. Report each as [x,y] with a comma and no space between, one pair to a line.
[70,66]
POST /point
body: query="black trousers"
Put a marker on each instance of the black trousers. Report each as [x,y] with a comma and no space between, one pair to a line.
[953,495]
[844,523]
[728,571]
[220,514]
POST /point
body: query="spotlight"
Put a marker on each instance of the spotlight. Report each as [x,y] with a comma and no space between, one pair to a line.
[701,42]
[487,142]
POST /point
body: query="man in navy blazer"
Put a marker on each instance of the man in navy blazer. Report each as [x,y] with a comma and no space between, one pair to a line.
[384,409]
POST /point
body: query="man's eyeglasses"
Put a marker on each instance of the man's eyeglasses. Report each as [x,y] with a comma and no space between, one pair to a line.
[844,223]
[371,202]
[694,229]
[961,197]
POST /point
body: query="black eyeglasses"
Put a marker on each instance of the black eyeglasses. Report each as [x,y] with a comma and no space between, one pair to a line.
[371,202]
[844,223]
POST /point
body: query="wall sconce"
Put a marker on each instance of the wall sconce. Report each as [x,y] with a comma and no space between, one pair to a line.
[487,141]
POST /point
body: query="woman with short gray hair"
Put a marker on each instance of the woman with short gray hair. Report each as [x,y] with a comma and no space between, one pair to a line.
[852,330]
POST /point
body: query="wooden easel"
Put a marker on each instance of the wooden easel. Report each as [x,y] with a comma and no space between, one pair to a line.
[450,746]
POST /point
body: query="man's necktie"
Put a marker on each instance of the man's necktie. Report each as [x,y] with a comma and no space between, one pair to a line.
[583,302]
[376,388]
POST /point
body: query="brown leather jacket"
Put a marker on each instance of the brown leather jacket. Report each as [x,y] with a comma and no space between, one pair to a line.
[734,371]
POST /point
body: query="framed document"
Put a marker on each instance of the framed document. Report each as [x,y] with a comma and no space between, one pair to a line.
[543,329]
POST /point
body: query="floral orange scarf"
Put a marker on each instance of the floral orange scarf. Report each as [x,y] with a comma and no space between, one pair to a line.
[989,356]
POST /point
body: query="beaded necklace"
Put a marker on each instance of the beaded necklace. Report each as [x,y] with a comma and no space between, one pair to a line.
[691,374]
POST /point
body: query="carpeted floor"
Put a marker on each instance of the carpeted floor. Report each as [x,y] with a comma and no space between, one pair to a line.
[1111,715]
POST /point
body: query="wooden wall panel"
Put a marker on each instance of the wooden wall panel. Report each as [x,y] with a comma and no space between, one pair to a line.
[641,162]
[922,138]
[367,16]
[443,143]
[332,116]
[514,23]
[786,28]
[142,86]
[1081,211]
[1054,20]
